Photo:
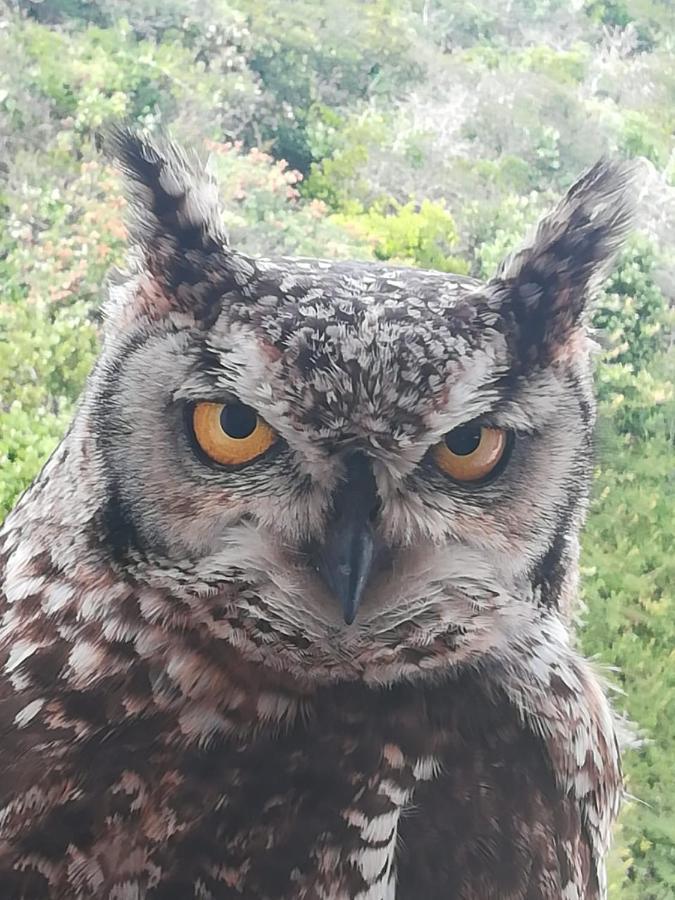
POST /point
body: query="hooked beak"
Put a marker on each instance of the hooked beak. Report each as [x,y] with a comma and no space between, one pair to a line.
[345,559]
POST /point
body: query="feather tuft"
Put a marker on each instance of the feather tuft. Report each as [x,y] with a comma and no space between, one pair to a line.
[542,289]
[175,223]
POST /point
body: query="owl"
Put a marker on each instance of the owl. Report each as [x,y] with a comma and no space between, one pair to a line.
[286,616]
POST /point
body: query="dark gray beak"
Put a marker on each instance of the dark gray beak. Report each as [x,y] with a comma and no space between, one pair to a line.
[345,558]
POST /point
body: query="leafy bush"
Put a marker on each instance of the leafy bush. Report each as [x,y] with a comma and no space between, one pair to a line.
[628,573]
[634,323]
[347,145]
[420,234]
[643,134]
[45,355]
[632,311]
[349,53]
[265,213]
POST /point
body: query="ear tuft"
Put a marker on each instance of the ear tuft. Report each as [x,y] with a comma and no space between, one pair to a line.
[171,195]
[543,288]
[175,219]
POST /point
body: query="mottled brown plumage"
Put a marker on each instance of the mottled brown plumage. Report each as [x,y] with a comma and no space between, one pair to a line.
[185,711]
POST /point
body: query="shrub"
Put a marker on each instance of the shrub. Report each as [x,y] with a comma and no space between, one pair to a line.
[628,574]
[421,234]
[349,53]
[634,324]
[265,212]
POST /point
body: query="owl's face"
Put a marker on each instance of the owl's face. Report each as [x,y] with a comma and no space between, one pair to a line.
[347,470]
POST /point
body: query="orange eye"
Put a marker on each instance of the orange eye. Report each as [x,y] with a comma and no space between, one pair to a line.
[231,433]
[470,452]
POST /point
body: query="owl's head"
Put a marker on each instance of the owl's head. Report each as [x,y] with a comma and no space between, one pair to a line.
[346,470]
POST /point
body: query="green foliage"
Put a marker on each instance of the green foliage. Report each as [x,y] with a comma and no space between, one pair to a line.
[92,76]
[498,228]
[561,66]
[60,235]
[634,323]
[417,234]
[644,134]
[628,573]
[350,52]
[632,311]
[265,212]
[336,179]
[45,355]
[462,23]
[653,19]
[323,121]
[57,240]
[608,12]
[627,558]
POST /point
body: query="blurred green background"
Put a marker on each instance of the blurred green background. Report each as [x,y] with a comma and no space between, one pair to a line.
[431,132]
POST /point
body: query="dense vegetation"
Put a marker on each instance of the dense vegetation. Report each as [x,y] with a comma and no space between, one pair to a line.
[432,132]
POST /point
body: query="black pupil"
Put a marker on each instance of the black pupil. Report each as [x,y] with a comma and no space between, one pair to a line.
[463,441]
[238,421]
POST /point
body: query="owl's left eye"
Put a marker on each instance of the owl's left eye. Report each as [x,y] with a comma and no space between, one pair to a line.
[471,453]
[231,433]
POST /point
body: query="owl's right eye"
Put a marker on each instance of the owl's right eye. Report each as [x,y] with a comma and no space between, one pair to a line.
[231,434]
[471,453]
